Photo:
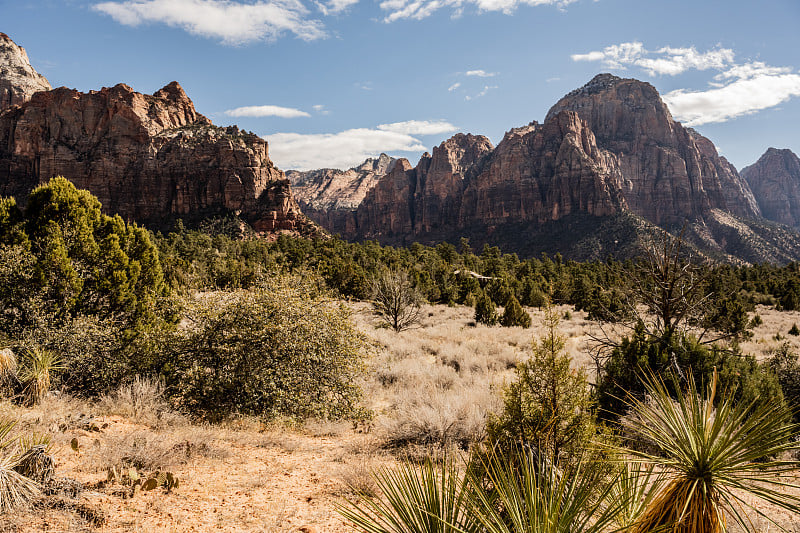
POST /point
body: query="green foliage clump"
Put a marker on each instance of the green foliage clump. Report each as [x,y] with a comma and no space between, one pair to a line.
[63,257]
[485,310]
[794,330]
[549,406]
[281,349]
[784,364]
[683,358]
[515,315]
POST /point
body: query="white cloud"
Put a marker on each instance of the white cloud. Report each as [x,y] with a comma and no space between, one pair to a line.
[420,9]
[266,111]
[486,89]
[481,73]
[419,127]
[348,148]
[231,22]
[334,7]
[666,60]
[455,86]
[744,96]
[736,90]
[319,108]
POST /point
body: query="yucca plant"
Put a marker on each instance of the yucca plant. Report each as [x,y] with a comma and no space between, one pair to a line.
[8,369]
[634,488]
[15,489]
[712,458]
[427,498]
[36,373]
[528,495]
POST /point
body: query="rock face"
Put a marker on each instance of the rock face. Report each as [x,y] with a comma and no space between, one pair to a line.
[330,196]
[775,181]
[608,149]
[670,173]
[149,158]
[18,79]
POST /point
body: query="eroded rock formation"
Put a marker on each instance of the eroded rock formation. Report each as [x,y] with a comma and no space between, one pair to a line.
[150,158]
[18,79]
[775,181]
[670,173]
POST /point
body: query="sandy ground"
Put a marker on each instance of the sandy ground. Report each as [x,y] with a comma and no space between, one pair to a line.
[242,476]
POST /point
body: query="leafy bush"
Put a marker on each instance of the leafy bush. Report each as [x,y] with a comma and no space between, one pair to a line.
[515,315]
[783,362]
[281,349]
[682,359]
[485,310]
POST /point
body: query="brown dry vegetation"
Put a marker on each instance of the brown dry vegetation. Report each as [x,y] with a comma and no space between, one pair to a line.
[428,387]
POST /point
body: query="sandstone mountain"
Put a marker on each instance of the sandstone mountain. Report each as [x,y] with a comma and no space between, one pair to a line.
[327,195]
[150,158]
[18,79]
[775,181]
[608,149]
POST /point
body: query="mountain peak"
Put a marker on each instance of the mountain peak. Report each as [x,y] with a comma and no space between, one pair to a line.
[18,79]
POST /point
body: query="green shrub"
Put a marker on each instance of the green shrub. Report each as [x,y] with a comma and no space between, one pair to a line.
[549,406]
[783,362]
[280,349]
[640,355]
[515,315]
[485,310]
[794,331]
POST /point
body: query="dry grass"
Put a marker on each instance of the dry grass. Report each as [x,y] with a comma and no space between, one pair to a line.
[773,332]
[435,385]
[431,386]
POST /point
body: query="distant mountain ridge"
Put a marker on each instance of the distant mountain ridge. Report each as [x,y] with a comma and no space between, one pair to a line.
[608,148]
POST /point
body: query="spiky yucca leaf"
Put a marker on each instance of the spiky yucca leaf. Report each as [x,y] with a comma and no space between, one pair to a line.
[426,498]
[635,487]
[527,495]
[713,457]
[15,489]
[36,373]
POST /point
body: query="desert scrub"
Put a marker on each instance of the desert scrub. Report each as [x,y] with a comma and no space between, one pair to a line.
[280,349]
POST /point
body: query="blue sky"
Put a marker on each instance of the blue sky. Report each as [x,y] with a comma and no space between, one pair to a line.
[330,82]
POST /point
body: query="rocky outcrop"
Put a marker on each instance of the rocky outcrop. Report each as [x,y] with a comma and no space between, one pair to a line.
[149,158]
[330,196]
[607,151]
[670,173]
[775,181]
[537,174]
[18,80]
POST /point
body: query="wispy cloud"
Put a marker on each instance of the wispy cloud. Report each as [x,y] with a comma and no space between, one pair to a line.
[667,60]
[420,9]
[266,111]
[348,148]
[334,7]
[319,108]
[231,22]
[481,73]
[419,127]
[737,89]
[484,91]
[455,86]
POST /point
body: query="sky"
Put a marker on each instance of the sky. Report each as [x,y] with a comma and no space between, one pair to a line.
[329,83]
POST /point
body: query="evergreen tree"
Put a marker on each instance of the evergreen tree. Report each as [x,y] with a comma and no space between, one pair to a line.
[485,310]
[515,315]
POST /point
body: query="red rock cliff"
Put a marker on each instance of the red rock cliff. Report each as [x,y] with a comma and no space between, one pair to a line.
[775,181]
[146,157]
[670,173]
